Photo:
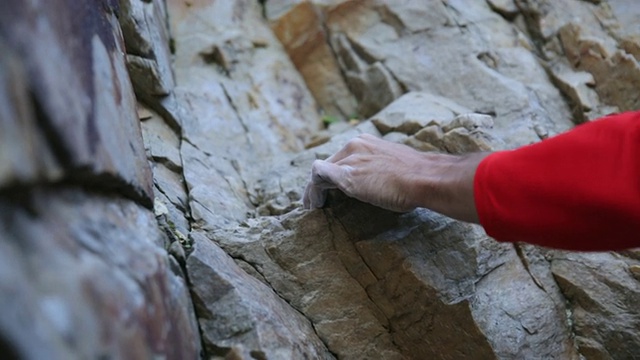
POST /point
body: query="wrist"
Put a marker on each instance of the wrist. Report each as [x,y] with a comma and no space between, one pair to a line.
[446,184]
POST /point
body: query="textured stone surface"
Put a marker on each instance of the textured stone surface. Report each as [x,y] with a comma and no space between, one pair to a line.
[146,34]
[238,87]
[298,26]
[21,161]
[237,311]
[84,269]
[230,139]
[89,278]
[477,50]
[602,292]
[591,40]
[76,107]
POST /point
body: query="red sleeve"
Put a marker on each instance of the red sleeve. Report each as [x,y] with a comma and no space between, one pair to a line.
[579,190]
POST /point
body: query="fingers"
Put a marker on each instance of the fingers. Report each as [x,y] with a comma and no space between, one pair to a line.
[357,144]
[324,176]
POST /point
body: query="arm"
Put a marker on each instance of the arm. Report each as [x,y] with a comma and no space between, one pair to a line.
[579,190]
[397,177]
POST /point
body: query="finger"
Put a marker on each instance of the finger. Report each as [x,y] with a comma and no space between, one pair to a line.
[324,176]
[314,197]
[356,144]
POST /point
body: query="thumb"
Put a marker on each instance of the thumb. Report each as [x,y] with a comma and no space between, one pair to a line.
[326,175]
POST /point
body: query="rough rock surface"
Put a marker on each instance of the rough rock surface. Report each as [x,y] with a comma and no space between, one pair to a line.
[171,227]
[84,269]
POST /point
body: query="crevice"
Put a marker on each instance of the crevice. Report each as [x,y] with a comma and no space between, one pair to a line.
[255,267]
[237,112]
[525,263]
[403,87]
[505,14]
[263,9]
[388,324]
[52,136]
[201,312]
[97,183]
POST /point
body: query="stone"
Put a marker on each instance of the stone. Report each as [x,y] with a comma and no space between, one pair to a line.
[146,34]
[601,294]
[506,8]
[616,73]
[371,82]
[231,138]
[412,112]
[77,105]
[161,142]
[463,141]
[577,86]
[470,122]
[299,28]
[25,155]
[89,278]
[237,85]
[235,309]
[462,67]
[399,279]
[431,134]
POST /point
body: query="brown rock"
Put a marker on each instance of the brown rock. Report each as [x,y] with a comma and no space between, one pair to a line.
[234,309]
[300,30]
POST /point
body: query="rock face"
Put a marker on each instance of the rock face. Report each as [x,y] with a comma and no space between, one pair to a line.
[153,155]
[84,269]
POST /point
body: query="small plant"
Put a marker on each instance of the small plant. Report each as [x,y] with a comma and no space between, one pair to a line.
[329,119]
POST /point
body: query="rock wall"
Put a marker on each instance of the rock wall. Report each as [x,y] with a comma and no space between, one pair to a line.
[153,156]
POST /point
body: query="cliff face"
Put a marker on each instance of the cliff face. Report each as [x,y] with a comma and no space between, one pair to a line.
[153,155]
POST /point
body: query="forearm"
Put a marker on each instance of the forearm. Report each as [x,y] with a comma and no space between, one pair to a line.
[579,190]
[445,184]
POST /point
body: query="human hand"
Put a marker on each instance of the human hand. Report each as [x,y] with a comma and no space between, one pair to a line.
[369,169]
[397,177]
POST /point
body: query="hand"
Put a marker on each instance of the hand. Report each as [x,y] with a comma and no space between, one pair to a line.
[369,169]
[396,177]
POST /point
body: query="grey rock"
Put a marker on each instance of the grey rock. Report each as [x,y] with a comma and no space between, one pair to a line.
[412,112]
[602,295]
[25,155]
[506,8]
[77,105]
[161,142]
[145,30]
[477,59]
[89,278]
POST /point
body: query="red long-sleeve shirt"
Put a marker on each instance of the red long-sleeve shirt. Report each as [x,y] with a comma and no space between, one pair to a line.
[579,190]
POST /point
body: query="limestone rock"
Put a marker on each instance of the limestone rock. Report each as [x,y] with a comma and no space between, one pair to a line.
[25,156]
[469,50]
[298,26]
[602,296]
[506,8]
[236,311]
[616,74]
[577,86]
[76,106]
[400,279]
[372,84]
[88,278]
[414,111]
[237,86]
[146,34]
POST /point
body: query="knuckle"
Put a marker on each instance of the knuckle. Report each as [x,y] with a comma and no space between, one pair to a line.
[366,136]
